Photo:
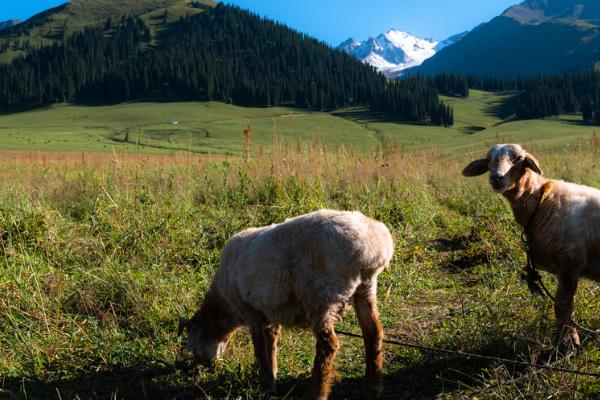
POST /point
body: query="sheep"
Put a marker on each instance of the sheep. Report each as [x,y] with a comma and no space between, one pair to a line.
[304,272]
[561,219]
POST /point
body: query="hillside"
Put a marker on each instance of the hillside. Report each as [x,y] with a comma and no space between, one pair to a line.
[51,26]
[8,24]
[536,11]
[535,37]
[223,54]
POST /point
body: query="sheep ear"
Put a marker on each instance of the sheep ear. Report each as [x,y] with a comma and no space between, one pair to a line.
[476,168]
[530,162]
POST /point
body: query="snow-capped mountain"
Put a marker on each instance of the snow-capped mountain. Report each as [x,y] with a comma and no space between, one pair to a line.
[450,41]
[395,51]
[8,24]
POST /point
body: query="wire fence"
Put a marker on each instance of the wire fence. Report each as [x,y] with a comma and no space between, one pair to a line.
[460,353]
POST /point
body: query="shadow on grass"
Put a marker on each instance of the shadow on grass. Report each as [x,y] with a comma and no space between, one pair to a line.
[470,130]
[504,108]
[405,378]
[576,120]
[464,263]
[123,383]
[461,252]
[365,116]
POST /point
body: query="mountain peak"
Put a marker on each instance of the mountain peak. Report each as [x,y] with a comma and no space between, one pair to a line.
[537,11]
[349,43]
[394,51]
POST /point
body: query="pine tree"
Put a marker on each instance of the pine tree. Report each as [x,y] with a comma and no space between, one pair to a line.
[223,54]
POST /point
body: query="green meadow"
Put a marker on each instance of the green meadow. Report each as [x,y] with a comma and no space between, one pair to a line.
[112,220]
[212,127]
[217,128]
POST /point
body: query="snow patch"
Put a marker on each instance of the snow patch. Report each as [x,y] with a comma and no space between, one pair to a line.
[395,50]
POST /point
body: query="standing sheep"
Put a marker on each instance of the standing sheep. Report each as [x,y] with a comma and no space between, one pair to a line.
[304,272]
[562,221]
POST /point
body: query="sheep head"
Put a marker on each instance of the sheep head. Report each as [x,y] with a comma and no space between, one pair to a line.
[199,342]
[506,163]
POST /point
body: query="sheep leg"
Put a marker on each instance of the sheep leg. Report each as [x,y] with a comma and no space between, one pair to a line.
[261,352]
[368,318]
[271,339]
[563,309]
[322,373]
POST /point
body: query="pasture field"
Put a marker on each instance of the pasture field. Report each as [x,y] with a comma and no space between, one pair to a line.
[100,253]
[210,127]
[217,128]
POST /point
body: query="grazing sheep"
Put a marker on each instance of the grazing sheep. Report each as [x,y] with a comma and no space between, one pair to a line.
[562,221]
[303,272]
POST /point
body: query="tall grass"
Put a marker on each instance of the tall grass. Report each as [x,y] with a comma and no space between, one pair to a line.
[100,253]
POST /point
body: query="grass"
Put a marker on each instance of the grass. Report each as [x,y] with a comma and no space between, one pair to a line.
[202,127]
[106,242]
[217,128]
[101,253]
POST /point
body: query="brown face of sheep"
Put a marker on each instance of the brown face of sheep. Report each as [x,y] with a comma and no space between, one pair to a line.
[506,164]
[205,350]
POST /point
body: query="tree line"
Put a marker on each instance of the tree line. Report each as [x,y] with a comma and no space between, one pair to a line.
[539,97]
[568,93]
[457,85]
[63,72]
[222,54]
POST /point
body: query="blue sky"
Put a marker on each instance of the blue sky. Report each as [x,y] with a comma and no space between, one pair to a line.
[336,20]
[23,9]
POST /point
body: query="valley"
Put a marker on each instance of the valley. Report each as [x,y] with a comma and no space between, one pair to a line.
[217,128]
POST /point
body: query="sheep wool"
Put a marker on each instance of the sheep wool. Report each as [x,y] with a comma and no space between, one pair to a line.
[562,221]
[303,272]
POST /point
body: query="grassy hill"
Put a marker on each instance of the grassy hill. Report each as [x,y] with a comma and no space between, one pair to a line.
[217,128]
[529,39]
[506,47]
[52,25]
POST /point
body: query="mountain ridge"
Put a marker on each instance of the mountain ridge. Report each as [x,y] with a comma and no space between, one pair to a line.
[9,23]
[537,11]
[52,26]
[532,38]
[395,51]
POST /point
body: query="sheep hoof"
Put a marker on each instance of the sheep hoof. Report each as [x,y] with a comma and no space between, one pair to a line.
[268,384]
[567,345]
[373,392]
[270,387]
[568,340]
[313,394]
[373,389]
